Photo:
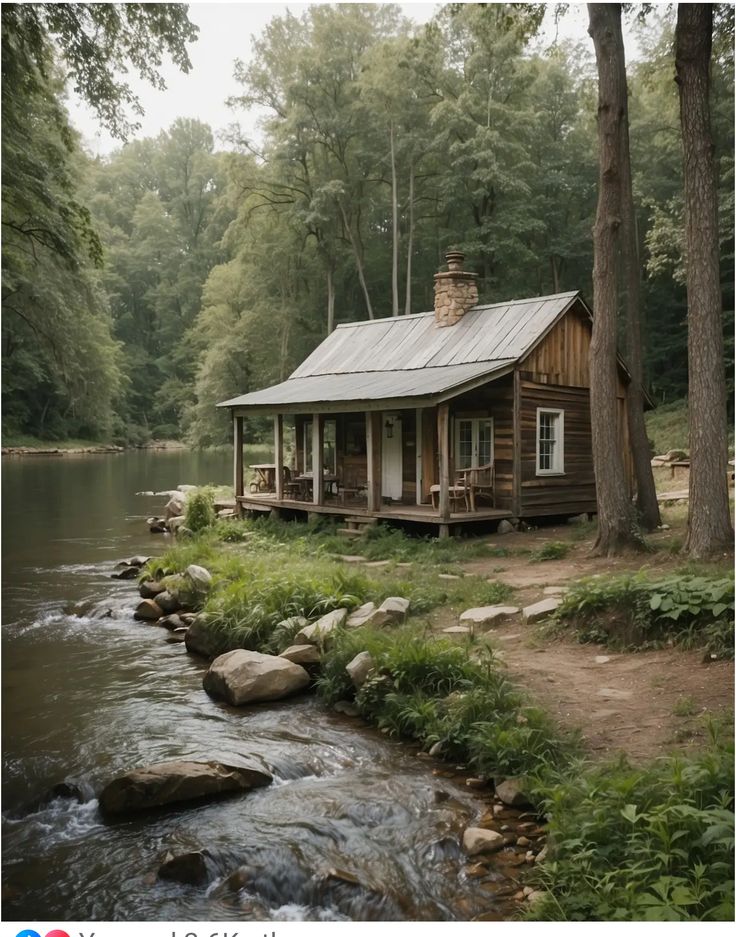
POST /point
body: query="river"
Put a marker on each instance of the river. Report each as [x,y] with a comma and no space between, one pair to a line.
[88,697]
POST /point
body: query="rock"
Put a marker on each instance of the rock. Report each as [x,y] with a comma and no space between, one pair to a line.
[188,618]
[201,640]
[505,527]
[396,608]
[359,668]
[554,590]
[149,589]
[239,878]
[248,677]
[436,750]
[175,505]
[146,494]
[663,527]
[174,523]
[477,841]
[353,558]
[578,519]
[458,629]
[156,525]
[346,708]
[377,564]
[171,782]
[476,870]
[540,610]
[602,658]
[172,622]
[302,654]
[512,792]
[129,572]
[523,841]
[199,577]
[167,602]
[675,455]
[148,610]
[448,576]
[359,617]
[189,868]
[184,489]
[542,855]
[534,896]
[488,615]
[135,561]
[177,636]
[184,533]
[322,628]
[475,783]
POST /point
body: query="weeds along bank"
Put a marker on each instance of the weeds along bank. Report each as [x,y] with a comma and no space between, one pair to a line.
[624,843]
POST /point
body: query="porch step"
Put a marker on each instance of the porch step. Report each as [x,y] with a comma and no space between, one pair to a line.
[360,523]
[349,532]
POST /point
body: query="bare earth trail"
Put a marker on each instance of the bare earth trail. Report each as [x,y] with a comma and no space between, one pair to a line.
[621,702]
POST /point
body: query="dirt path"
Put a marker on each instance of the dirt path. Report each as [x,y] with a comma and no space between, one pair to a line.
[642,703]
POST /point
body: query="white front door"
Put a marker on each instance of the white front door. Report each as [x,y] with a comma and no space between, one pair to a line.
[391,464]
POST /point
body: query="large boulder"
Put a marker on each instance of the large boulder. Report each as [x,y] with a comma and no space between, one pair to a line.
[487,616]
[395,608]
[173,782]
[176,504]
[513,792]
[249,677]
[168,602]
[199,578]
[477,841]
[149,588]
[323,628]
[361,615]
[540,610]
[201,640]
[302,654]
[148,610]
[359,668]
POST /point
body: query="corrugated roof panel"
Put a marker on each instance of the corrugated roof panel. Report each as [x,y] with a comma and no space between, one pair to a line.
[366,385]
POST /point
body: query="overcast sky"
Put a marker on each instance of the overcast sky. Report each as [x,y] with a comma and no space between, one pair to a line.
[225,31]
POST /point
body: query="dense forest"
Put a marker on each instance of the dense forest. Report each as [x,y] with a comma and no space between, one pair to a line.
[141,288]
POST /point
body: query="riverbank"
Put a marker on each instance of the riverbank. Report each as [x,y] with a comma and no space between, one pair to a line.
[443,683]
[37,447]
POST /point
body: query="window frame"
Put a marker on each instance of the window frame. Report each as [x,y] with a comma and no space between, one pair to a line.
[475,422]
[558,450]
[307,448]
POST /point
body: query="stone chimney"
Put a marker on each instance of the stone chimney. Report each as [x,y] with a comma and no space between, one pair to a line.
[455,291]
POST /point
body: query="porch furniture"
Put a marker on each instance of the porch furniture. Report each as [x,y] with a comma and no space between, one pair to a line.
[306,480]
[456,493]
[292,487]
[477,482]
[265,477]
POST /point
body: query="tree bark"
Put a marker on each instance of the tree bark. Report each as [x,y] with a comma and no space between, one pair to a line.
[709,520]
[647,507]
[330,297]
[358,260]
[616,524]
[395,230]
[410,241]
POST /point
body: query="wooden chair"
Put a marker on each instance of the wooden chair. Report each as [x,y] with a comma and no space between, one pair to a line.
[291,487]
[477,482]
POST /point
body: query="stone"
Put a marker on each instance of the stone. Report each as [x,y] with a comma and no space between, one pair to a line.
[249,677]
[505,527]
[448,576]
[167,602]
[302,654]
[602,658]
[149,588]
[436,750]
[171,622]
[476,870]
[488,615]
[512,792]
[578,519]
[359,668]
[611,693]
[377,564]
[156,525]
[541,855]
[353,558]
[199,577]
[458,629]
[148,610]
[188,618]
[201,640]
[554,590]
[323,628]
[175,505]
[540,610]
[534,896]
[174,523]
[476,783]
[185,489]
[477,841]
[189,868]
[676,455]
[173,782]
[523,841]
[134,561]
[177,636]
[346,708]
[129,572]
[396,608]
[361,615]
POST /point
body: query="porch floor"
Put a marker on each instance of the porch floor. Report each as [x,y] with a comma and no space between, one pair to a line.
[418,513]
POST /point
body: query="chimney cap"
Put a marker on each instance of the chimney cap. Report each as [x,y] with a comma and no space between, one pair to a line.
[455,259]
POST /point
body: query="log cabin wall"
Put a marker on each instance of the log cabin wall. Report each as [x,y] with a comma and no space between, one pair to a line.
[562,356]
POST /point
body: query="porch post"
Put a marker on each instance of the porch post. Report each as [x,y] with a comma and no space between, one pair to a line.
[318,486]
[373,431]
[278,448]
[443,436]
[418,452]
[516,449]
[238,462]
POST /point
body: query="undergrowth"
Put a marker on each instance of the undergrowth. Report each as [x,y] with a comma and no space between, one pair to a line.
[636,611]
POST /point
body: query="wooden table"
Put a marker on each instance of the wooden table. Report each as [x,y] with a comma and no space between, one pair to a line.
[306,482]
[265,479]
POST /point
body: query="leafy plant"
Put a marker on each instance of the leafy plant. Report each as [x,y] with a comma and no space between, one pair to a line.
[554,550]
[200,509]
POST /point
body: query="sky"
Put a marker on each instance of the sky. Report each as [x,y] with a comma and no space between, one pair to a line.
[225,35]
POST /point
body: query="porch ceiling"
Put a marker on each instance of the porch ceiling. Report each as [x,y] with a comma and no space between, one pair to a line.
[339,391]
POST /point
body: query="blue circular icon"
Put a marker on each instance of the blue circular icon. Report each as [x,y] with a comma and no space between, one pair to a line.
[28,933]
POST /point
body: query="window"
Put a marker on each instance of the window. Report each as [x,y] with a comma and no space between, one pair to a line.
[550,442]
[473,442]
[329,450]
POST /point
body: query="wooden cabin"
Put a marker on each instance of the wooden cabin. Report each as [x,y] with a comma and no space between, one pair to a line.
[469,412]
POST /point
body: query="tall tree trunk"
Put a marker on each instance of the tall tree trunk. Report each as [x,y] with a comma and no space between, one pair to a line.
[555,274]
[616,524]
[647,507]
[395,230]
[709,520]
[358,260]
[410,240]
[330,296]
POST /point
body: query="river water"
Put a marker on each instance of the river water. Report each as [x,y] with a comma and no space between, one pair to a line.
[88,697]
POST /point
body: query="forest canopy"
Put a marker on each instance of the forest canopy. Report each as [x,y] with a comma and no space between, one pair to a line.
[143,287]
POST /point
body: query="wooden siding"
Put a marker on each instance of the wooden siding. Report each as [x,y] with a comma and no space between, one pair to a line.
[562,355]
[574,491]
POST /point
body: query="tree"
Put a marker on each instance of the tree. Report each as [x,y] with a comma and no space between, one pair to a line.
[616,524]
[709,521]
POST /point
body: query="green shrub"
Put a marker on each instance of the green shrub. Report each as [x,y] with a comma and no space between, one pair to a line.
[651,844]
[554,550]
[637,611]
[200,510]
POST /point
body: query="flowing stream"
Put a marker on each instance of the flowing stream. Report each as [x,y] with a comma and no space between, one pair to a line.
[354,827]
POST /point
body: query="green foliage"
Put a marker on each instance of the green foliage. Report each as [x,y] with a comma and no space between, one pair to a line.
[636,610]
[651,844]
[554,550]
[200,509]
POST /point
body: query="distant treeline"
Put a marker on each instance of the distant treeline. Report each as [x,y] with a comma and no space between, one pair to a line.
[171,275]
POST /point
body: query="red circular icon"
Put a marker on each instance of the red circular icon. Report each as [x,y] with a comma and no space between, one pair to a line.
[57,933]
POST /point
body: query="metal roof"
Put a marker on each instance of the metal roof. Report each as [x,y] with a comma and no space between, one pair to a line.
[408,356]
[368,385]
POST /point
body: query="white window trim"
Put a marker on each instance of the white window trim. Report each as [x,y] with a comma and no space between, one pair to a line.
[474,420]
[559,450]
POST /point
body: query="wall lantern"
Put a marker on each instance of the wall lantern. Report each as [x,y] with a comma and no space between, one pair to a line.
[389,429]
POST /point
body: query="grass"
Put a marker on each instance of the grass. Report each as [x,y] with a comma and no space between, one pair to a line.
[553,550]
[667,427]
[685,706]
